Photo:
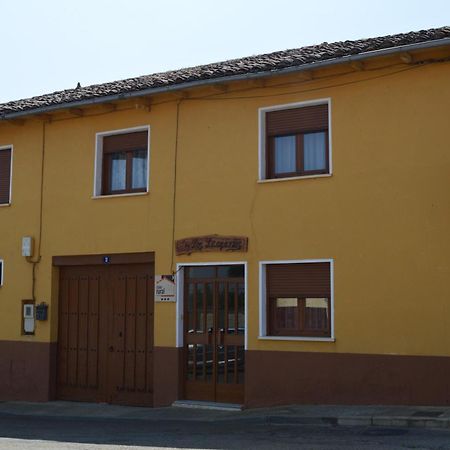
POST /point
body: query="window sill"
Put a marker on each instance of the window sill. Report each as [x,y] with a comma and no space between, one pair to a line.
[297,338]
[4,205]
[131,194]
[301,177]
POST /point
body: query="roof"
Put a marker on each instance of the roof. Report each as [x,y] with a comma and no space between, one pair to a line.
[260,65]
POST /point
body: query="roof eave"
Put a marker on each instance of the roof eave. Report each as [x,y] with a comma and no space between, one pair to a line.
[241,77]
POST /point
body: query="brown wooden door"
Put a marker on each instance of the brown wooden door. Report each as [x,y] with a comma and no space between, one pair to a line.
[105,336]
[214,333]
[81,292]
[130,343]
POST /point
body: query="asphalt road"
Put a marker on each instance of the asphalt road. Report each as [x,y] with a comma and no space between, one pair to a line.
[39,433]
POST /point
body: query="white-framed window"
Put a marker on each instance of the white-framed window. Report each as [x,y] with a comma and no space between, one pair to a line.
[297,299]
[295,140]
[2,265]
[122,162]
[6,156]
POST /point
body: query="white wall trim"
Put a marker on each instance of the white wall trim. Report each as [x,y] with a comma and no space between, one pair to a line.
[128,194]
[179,321]
[180,295]
[263,301]
[98,158]
[9,147]
[262,134]
[277,180]
[295,338]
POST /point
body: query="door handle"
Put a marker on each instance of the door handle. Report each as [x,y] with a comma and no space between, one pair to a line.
[210,333]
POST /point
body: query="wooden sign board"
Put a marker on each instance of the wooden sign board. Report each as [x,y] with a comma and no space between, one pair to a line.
[211,243]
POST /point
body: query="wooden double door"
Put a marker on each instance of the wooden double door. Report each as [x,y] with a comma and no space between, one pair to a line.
[214,333]
[105,334]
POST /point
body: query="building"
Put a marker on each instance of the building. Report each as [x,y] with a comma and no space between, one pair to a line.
[300,198]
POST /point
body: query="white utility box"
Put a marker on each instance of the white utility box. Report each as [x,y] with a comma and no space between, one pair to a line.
[27,246]
[28,318]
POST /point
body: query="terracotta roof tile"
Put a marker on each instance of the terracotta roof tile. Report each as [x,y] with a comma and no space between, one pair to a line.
[265,63]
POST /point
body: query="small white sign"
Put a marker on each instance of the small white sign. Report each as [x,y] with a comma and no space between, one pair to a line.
[165,288]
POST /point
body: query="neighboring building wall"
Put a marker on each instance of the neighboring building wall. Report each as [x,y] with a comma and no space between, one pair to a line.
[382,216]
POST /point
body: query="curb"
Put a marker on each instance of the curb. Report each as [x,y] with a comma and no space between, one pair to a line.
[376,421]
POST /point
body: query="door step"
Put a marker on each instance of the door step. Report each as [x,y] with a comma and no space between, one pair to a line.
[196,404]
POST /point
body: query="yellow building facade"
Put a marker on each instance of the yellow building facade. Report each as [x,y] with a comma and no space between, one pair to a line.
[324,276]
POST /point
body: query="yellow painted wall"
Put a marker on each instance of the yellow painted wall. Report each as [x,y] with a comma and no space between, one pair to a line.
[383,215]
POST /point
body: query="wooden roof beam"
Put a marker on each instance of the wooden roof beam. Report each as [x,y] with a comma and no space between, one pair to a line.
[306,75]
[406,58]
[178,95]
[220,88]
[16,122]
[357,65]
[44,117]
[257,82]
[144,103]
[77,112]
[110,107]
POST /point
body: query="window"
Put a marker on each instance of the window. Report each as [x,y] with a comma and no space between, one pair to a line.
[124,163]
[296,141]
[5,175]
[298,299]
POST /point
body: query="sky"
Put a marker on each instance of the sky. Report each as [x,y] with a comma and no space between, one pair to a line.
[51,45]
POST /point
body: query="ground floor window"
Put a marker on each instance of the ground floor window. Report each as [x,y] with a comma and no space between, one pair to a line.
[297,298]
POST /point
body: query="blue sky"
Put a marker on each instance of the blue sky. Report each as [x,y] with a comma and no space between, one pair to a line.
[49,45]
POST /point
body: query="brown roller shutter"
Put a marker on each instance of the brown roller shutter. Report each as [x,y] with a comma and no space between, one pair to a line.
[299,280]
[297,120]
[5,175]
[124,142]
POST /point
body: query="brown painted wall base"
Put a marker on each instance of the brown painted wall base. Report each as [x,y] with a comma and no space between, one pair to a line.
[166,375]
[27,371]
[277,378]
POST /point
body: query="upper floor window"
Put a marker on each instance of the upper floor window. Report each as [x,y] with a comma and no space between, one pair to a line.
[295,141]
[123,159]
[5,175]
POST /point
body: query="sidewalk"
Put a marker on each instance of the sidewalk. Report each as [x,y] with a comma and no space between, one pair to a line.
[383,416]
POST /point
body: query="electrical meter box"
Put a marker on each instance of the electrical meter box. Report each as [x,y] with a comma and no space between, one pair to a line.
[28,318]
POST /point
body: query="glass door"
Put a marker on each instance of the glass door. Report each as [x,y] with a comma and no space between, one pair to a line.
[214,333]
